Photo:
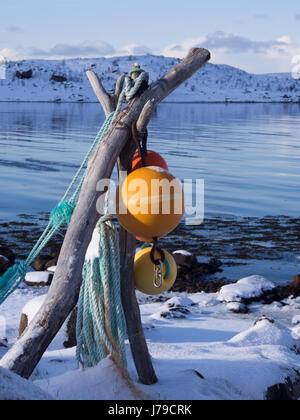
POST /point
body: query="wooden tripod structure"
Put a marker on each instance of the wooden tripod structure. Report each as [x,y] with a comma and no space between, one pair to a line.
[116,146]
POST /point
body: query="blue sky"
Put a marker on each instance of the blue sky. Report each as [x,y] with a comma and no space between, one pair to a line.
[258,35]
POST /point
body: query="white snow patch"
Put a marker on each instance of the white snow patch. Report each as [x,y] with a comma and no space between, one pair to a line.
[15,388]
[37,277]
[104,382]
[182,252]
[249,287]
[33,306]
[93,249]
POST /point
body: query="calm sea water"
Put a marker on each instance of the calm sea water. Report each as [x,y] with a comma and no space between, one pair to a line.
[248,154]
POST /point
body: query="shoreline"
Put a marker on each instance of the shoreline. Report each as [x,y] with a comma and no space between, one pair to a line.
[164,102]
[267,246]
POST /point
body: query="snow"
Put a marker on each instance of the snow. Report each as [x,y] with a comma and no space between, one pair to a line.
[104,382]
[183,252]
[246,288]
[212,83]
[51,269]
[37,277]
[265,332]
[200,339]
[32,307]
[12,387]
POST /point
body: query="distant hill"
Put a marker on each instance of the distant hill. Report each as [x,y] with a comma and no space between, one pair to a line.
[212,83]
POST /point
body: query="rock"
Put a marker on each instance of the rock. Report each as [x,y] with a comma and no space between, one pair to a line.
[193,277]
[24,74]
[54,252]
[237,308]
[185,259]
[71,331]
[295,285]
[40,262]
[7,259]
[246,290]
[286,391]
[23,324]
[4,265]
[51,263]
[38,279]
[3,343]
[8,253]
[60,79]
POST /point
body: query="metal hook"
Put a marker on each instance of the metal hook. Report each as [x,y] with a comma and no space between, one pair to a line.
[158,275]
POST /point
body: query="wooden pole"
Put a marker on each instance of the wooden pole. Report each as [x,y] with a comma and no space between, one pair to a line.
[63,294]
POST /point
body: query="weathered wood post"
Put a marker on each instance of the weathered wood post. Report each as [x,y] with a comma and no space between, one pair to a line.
[63,294]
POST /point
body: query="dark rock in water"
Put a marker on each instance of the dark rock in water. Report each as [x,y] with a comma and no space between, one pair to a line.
[185,259]
[60,79]
[4,265]
[6,252]
[7,259]
[193,277]
[24,74]
[295,284]
[287,391]
[40,262]
[71,331]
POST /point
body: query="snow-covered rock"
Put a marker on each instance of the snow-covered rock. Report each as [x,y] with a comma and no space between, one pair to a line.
[38,278]
[13,387]
[247,288]
[212,83]
[32,307]
[265,332]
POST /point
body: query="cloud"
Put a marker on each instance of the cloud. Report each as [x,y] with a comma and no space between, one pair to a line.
[227,43]
[13,28]
[134,49]
[297,17]
[261,16]
[85,49]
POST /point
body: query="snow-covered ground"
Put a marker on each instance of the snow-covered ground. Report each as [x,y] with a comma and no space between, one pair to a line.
[213,83]
[190,337]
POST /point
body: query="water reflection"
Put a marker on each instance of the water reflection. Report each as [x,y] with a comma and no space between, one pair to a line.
[248,154]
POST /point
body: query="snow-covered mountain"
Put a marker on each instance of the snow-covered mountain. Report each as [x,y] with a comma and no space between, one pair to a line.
[220,83]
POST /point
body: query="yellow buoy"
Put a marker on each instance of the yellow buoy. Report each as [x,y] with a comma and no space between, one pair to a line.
[150,203]
[145,275]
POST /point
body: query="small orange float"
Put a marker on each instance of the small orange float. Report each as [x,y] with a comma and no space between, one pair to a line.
[152,159]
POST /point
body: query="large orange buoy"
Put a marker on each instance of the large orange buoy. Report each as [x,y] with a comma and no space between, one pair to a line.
[144,273]
[152,159]
[150,203]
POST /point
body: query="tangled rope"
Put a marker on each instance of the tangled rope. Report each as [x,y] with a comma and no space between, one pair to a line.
[131,89]
[101,326]
[59,216]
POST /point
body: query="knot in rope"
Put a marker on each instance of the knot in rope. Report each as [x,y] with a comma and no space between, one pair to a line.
[62,213]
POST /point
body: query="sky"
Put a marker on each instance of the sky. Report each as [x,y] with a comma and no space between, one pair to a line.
[259,36]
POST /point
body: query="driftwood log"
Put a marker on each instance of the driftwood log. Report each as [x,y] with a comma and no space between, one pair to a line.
[63,294]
